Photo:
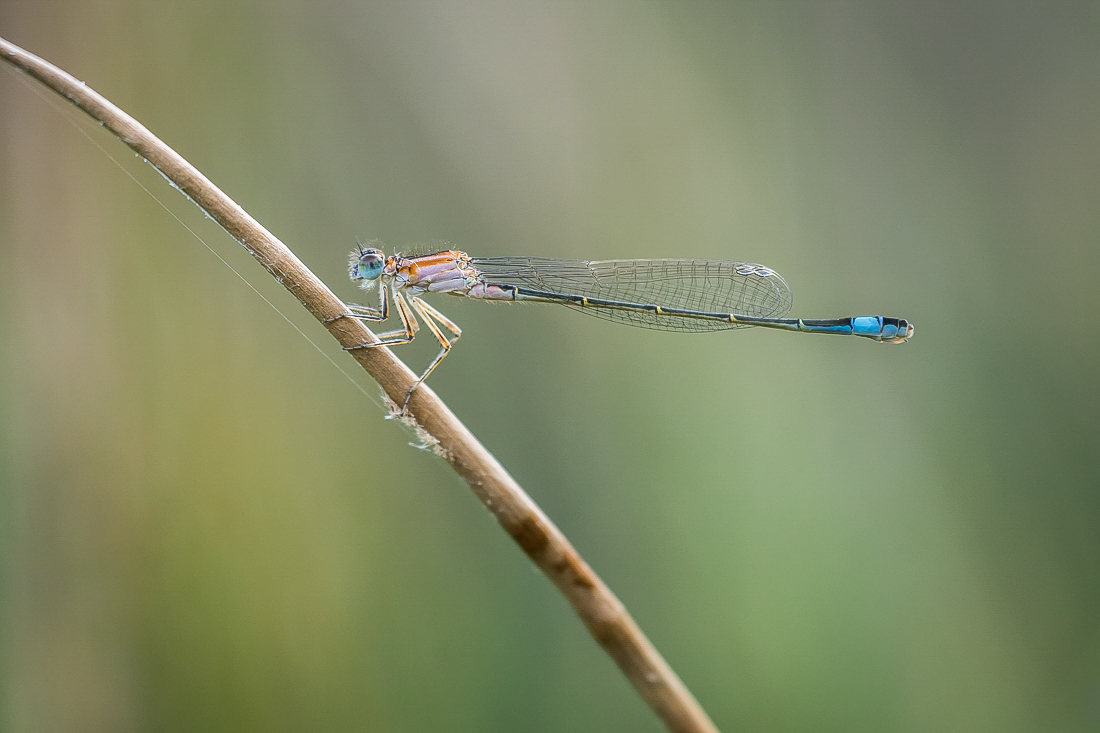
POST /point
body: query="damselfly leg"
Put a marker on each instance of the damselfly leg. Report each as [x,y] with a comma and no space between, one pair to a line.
[408,307]
[432,317]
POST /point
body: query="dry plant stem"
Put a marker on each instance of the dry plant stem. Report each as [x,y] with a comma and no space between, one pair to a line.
[601,611]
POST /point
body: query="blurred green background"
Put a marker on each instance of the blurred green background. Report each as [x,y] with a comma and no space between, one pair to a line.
[205,527]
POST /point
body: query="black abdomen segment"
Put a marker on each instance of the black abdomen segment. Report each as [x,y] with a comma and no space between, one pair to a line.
[877,328]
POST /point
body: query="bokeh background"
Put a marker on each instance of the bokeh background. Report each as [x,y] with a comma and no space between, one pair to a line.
[204,526]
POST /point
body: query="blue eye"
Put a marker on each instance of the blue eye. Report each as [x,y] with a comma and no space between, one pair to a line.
[367,264]
[370,270]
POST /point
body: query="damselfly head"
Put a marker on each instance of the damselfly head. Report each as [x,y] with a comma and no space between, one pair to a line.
[366,264]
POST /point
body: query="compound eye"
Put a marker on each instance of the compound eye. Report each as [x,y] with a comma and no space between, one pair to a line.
[370,265]
[366,264]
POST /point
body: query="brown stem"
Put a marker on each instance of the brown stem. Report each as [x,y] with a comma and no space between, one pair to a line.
[604,615]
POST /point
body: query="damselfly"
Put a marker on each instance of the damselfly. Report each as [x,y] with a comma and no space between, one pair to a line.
[665,294]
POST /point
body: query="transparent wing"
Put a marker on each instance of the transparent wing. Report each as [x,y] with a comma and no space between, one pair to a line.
[709,286]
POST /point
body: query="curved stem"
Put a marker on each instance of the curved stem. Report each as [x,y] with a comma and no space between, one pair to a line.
[602,612]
